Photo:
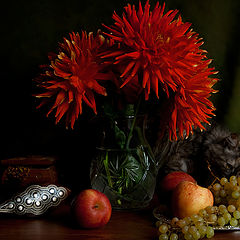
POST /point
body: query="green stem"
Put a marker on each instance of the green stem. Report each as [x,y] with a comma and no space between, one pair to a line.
[105,162]
[120,192]
[144,142]
[133,125]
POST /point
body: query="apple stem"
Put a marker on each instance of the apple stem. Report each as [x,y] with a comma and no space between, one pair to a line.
[96,206]
[105,162]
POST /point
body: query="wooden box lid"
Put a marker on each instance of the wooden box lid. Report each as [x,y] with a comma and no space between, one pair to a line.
[32,160]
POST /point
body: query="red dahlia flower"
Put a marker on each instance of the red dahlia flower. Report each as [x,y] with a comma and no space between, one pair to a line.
[168,57]
[73,76]
[190,108]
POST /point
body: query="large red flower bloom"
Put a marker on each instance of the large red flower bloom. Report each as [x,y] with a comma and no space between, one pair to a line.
[167,54]
[73,76]
[190,106]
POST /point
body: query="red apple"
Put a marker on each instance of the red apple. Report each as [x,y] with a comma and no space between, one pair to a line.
[188,198]
[92,209]
[171,180]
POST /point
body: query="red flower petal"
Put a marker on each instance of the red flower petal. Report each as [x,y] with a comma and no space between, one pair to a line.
[74,75]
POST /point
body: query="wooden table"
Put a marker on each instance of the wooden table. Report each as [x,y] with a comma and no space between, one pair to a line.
[58,225]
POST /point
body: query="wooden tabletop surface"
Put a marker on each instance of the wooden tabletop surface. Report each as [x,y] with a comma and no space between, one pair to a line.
[58,224]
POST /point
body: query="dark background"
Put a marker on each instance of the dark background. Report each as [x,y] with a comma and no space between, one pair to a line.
[31,29]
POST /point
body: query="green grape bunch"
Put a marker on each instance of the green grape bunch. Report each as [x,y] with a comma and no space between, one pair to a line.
[227,191]
[225,213]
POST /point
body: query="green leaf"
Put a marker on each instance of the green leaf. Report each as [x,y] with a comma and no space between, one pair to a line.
[133,169]
[108,110]
[129,110]
[119,136]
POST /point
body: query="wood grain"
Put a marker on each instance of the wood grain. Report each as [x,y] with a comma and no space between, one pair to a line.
[58,224]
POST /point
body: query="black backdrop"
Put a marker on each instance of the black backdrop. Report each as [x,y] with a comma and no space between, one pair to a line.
[30,29]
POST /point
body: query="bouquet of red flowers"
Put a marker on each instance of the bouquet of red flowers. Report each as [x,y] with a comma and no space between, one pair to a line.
[144,53]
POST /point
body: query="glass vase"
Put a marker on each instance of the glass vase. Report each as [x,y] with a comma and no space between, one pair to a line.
[124,167]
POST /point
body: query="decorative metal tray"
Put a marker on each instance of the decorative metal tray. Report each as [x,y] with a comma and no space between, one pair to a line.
[159,215]
[35,200]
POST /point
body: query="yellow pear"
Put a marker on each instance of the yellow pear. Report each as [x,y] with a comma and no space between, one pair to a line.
[188,198]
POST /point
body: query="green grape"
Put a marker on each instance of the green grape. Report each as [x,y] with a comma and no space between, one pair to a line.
[215,209]
[233,184]
[188,220]
[222,208]
[212,218]
[231,208]
[181,223]
[158,224]
[210,232]
[222,193]
[227,216]
[163,228]
[173,236]
[188,236]
[203,213]
[192,229]
[233,222]
[216,187]
[174,221]
[199,224]
[210,209]
[163,236]
[236,188]
[233,179]
[238,180]
[202,230]
[235,194]
[221,221]
[199,219]
[217,200]
[227,186]
[236,214]
[195,217]
[196,235]
[216,194]
[223,181]
[185,229]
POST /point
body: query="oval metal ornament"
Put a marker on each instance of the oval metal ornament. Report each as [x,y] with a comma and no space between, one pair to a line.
[35,200]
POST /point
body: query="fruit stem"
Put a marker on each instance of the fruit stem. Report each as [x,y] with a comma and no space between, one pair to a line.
[210,170]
